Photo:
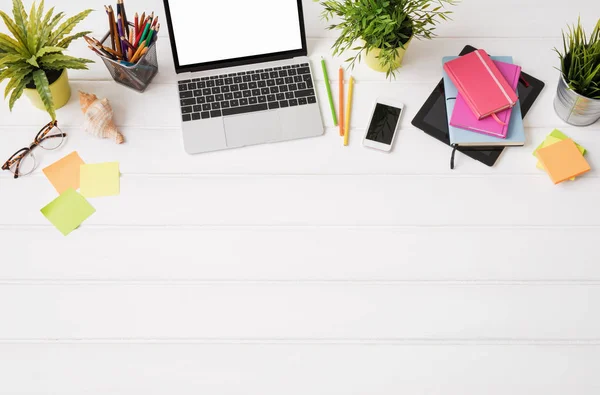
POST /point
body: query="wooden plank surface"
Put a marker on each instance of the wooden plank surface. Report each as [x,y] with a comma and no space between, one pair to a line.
[289,311]
[122,369]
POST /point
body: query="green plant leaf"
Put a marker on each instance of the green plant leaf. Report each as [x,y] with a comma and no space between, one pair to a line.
[12,27]
[16,78]
[33,61]
[18,91]
[57,61]
[10,58]
[20,16]
[13,70]
[65,42]
[32,29]
[67,27]
[46,50]
[48,27]
[43,88]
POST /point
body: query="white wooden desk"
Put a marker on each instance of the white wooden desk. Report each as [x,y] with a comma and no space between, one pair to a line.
[248,271]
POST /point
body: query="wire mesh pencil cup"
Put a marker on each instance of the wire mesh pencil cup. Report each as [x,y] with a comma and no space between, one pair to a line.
[137,76]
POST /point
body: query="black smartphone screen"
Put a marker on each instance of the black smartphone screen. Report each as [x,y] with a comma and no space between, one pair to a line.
[383,123]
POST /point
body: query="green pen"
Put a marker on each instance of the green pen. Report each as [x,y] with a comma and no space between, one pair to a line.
[327,85]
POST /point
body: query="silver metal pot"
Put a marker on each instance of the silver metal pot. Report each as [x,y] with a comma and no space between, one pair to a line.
[574,108]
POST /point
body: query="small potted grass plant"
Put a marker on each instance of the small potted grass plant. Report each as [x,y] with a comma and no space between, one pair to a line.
[577,100]
[381,30]
[32,60]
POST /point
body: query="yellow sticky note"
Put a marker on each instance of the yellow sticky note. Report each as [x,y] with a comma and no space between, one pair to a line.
[100,179]
[64,173]
[68,211]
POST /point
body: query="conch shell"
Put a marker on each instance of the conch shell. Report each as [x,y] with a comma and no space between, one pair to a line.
[99,117]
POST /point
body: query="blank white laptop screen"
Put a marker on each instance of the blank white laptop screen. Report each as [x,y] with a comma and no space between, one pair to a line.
[208,31]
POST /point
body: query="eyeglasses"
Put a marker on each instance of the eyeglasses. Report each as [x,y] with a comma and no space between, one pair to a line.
[23,162]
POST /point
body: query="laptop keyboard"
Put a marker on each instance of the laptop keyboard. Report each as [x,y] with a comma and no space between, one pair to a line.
[247,91]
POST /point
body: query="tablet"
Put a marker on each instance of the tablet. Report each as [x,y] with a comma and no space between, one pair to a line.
[432,118]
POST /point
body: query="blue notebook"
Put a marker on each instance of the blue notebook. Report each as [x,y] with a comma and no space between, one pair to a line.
[516,132]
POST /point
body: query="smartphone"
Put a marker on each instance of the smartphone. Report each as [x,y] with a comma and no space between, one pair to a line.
[385,119]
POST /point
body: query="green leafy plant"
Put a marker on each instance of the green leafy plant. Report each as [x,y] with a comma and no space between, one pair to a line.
[580,60]
[36,50]
[383,24]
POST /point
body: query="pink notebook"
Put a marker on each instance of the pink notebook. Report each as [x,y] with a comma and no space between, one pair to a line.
[481,84]
[463,117]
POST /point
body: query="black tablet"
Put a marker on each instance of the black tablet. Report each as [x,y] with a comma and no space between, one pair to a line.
[432,118]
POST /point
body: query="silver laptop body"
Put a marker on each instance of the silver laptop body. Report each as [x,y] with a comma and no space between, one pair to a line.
[246,100]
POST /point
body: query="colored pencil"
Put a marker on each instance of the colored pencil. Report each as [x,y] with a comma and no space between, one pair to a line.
[329,95]
[155,21]
[136,23]
[121,34]
[142,20]
[124,16]
[130,43]
[127,44]
[145,33]
[149,39]
[341,103]
[117,43]
[138,53]
[348,109]
[110,28]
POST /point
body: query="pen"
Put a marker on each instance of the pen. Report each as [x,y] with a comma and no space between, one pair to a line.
[348,109]
[341,103]
[328,86]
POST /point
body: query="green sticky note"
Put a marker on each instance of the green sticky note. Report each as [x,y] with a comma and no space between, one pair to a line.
[557,134]
[99,179]
[68,211]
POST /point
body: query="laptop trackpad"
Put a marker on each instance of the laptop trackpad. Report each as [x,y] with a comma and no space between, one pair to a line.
[248,129]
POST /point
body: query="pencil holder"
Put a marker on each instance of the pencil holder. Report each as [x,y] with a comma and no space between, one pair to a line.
[137,76]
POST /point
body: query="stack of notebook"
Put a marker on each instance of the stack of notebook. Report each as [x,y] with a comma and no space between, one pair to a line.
[482,106]
[481,100]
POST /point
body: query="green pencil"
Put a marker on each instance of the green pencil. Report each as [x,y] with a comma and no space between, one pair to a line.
[145,34]
[326,76]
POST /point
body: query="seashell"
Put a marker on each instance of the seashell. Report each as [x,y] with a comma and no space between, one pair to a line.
[99,117]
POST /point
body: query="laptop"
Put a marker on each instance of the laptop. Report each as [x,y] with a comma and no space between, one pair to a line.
[244,77]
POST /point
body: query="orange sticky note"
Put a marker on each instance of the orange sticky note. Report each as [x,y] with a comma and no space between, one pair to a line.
[64,173]
[563,160]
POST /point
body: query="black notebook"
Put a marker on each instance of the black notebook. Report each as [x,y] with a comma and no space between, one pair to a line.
[432,118]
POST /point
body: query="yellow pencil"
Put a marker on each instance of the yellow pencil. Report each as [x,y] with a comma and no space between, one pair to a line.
[348,109]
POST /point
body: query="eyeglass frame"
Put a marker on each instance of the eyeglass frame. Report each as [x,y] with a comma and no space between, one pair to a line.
[39,138]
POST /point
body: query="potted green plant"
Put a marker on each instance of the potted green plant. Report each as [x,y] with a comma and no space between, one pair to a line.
[577,100]
[32,60]
[383,29]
